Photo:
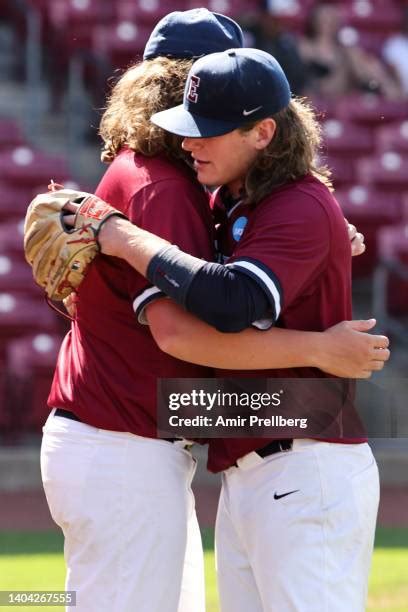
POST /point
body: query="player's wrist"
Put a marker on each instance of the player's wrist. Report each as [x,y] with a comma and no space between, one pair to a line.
[320,350]
[111,236]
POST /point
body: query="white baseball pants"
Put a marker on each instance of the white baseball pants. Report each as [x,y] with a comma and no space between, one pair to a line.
[127,511]
[295,530]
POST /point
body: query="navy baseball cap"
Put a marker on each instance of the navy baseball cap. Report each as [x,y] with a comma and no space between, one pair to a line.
[191,34]
[226,90]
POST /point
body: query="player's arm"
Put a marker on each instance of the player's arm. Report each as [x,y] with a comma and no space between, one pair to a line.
[236,300]
[187,279]
[342,350]
[193,340]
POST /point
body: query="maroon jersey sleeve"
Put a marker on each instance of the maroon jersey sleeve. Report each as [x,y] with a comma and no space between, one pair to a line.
[178,211]
[286,245]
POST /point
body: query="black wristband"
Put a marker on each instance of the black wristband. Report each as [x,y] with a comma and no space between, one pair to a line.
[173,271]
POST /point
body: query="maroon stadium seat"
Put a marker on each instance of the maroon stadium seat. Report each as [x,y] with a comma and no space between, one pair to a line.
[75,14]
[370,41]
[4,406]
[393,137]
[365,15]
[388,171]
[20,315]
[405,208]
[16,276]
[13,202]
[369,210]
[41,5]
[27,167]
[291,14]
[238,8]
[343,138]
[342,168]
[370,109]
[74,20]
[30,366]
[324,107]
[122,42]
[147,12]
[391,279]
[11,238]
[10,134]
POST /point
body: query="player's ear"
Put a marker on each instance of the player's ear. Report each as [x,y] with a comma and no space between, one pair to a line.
[264,132]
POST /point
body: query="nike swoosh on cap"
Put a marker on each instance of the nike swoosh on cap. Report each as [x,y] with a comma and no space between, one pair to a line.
[249,112]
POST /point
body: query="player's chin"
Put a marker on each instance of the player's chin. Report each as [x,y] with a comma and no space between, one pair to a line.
[208,178]
[202,167]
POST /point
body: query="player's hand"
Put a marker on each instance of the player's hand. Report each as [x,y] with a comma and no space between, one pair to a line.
[350,352]
[356,238]
[107,237]
[70,304]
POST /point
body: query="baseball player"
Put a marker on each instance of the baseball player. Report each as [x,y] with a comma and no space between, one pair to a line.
[296,518]
[121,496]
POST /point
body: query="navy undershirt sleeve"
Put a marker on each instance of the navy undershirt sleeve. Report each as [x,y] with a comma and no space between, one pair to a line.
[227,299]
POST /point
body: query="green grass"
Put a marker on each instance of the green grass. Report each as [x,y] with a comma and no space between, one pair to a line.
[33,561]
[388,590]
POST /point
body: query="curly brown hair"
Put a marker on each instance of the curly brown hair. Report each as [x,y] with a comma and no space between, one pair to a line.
[144,89]
[292,153]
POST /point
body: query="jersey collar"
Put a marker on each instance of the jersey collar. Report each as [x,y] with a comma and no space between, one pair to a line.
[222,202]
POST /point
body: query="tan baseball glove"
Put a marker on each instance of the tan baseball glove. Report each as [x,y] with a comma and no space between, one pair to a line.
[58,255]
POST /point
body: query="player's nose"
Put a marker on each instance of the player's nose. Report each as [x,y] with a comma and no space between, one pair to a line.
[190,144]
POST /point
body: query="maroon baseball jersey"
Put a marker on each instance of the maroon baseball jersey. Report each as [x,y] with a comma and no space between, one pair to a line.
[109,364]
[294,243]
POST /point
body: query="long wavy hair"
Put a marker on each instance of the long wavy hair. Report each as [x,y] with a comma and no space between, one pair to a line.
[292,153]
[144,89]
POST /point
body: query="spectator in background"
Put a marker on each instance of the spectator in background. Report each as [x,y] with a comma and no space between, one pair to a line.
[270,36]
[335,68]
[395,53]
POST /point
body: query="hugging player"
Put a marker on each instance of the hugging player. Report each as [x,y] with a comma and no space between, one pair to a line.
[289,264]
[192,274]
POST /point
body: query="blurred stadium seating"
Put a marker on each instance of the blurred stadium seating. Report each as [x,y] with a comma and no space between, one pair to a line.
[30,364]
[387,171]
[16,277]
[27,167]
[390,295]
[372,15]
[369,210]
[72,47]
[10,134]
[370,110]
[393,137]
[20,315]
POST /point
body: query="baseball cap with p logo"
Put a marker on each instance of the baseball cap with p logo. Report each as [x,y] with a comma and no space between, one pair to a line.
[225,91]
